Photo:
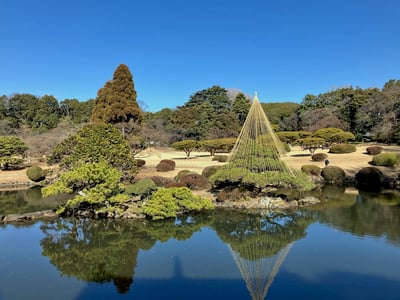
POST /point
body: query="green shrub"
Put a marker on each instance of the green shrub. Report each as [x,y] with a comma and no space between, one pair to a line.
[166,203]
[374,150]
[12,163]
[333,174]
[311,170]
[386,159]
[35,173]
[95,184]
[166,165]
[319,157]
[342,148]
[369,179]
[220,158]
[143,188]
[209,171]
[242,177]
[94,143]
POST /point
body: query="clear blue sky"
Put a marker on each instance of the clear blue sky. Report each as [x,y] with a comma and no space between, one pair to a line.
[283,49]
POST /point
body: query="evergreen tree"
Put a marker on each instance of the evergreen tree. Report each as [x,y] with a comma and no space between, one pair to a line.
[241,106]
[116,101]
[215,95]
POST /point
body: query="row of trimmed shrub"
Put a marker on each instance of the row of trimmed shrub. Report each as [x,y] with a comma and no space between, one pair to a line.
[331,174]
[185,178]
[166,165]
[387,159]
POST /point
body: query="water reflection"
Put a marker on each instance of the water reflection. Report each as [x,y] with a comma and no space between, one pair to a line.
[136,257]
[28,200]
[361,213]
[106,251]
[259,243]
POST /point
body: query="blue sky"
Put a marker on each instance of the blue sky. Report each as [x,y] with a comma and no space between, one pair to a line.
[283,49]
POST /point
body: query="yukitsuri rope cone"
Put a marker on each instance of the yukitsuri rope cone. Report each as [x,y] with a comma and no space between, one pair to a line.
[255,158]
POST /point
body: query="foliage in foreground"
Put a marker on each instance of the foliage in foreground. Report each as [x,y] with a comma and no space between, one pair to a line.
[92,144]
[97,184]
[167,202]
[245,178]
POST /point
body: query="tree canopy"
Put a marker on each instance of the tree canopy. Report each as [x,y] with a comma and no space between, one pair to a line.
[94,143]
[10,146]
[116,101]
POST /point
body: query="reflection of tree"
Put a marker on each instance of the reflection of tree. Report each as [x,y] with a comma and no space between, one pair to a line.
[268,233]
[369,214]
[101,251]
[27,200]
[259,243]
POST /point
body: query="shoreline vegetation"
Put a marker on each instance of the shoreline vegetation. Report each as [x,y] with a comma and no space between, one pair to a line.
[351,163]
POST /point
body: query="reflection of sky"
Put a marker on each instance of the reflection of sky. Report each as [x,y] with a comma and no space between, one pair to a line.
[203,256]
[25,273]
[325,257]
[331,250]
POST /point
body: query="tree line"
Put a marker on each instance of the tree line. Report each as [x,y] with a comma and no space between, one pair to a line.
[213,113]
[370,114]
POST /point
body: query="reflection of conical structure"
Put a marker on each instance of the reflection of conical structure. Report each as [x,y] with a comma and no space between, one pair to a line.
[259,274]
[260,242]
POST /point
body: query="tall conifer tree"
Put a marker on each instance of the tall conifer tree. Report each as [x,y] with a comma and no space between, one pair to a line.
[116,101]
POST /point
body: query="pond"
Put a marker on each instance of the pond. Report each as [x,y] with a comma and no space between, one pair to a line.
[348,247]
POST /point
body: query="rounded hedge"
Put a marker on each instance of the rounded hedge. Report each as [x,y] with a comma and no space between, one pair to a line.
[166,165]
[140,162]
[333,174]
[35,173]
[319,157]
[210,171]
[374,150]
[369,179]
[386,159]
[182,173]
[196,182]
[161,181]
[220,158]
[342,148]
[311,170]
[142,187]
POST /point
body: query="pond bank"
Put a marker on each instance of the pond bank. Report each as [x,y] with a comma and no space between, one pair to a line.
[268,203]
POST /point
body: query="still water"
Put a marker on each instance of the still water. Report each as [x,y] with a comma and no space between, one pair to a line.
[346,248]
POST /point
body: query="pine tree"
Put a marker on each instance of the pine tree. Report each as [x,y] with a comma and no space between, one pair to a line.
[116,101]
[241,106]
